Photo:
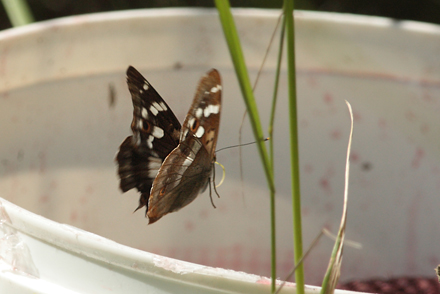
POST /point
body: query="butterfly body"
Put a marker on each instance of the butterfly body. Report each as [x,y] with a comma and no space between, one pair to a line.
[169,164]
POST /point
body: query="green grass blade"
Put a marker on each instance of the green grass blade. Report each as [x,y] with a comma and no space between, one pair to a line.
[18,12]
[233,41]
[237,56]
[296,198]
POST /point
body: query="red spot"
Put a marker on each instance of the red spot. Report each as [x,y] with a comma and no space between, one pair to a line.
[328,207]
[424,128]
[44,198]
[90,189]
[74,216]
[312,82]
[410,115]
[14,119]
[325,185]
[42,158]
[415,163]
[221,258]
[204,256]
[304,123]
[308,168]
[354,157]
[188,253]
[336,134]
[254,261]
[305,211]
[53,185]
[427,97]
[83,200]
[264,281]
[328,98]
[204,213]
[382,123]
[287,263]
[189,226]
[356,116]
[237,256]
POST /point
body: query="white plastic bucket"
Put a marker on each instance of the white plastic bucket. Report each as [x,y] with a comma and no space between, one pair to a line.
[61,129]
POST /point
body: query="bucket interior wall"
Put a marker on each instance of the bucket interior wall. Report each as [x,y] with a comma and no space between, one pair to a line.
[64,113]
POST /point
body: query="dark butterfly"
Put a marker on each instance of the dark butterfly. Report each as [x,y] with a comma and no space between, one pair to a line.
[169,164]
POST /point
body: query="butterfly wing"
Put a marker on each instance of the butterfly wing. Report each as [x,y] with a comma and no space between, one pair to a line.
[156,133]
[186,171]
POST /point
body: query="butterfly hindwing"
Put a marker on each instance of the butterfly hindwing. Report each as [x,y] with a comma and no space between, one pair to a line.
[156,132]
[186,171]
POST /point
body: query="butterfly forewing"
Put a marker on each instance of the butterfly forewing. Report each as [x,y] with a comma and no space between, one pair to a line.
[156,133]
[186,171]
[203,118]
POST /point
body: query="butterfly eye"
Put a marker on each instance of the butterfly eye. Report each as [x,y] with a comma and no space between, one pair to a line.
[195,125]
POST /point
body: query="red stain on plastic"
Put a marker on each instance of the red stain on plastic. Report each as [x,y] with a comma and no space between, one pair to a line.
[424,128]
[410,115]
[418,156]
[325,185]
[74,216]
[328,98]
[357,116]
[44,198]
[308,168]
[354,157]
[237,255]
[336,134]
[189,226]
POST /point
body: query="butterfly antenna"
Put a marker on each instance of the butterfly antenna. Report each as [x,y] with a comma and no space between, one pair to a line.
[239,145]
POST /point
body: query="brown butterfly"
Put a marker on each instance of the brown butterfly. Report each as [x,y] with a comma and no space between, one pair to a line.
[169,164]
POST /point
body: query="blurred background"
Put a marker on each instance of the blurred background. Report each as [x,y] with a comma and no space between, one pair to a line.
[420,10]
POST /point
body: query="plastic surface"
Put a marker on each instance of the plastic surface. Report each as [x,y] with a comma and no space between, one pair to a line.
[65,108]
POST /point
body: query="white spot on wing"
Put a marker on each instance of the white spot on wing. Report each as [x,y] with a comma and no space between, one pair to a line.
[140,125]
[216,89]
[146,86]
[200,132]
[164,107]
[144,113]
[158,106]
[191,122]
[157,132]
[199,112]
[210,109]
[153,110]
[150,142]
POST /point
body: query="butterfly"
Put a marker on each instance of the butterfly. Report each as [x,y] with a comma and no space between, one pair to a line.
[167,163]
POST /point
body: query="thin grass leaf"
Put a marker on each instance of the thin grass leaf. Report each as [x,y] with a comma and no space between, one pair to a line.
[314,243]
[237,56]
[333,273]
[294,153]
[18,12]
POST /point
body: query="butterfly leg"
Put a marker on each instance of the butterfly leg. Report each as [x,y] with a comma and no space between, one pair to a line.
[210,192]
[213,180]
